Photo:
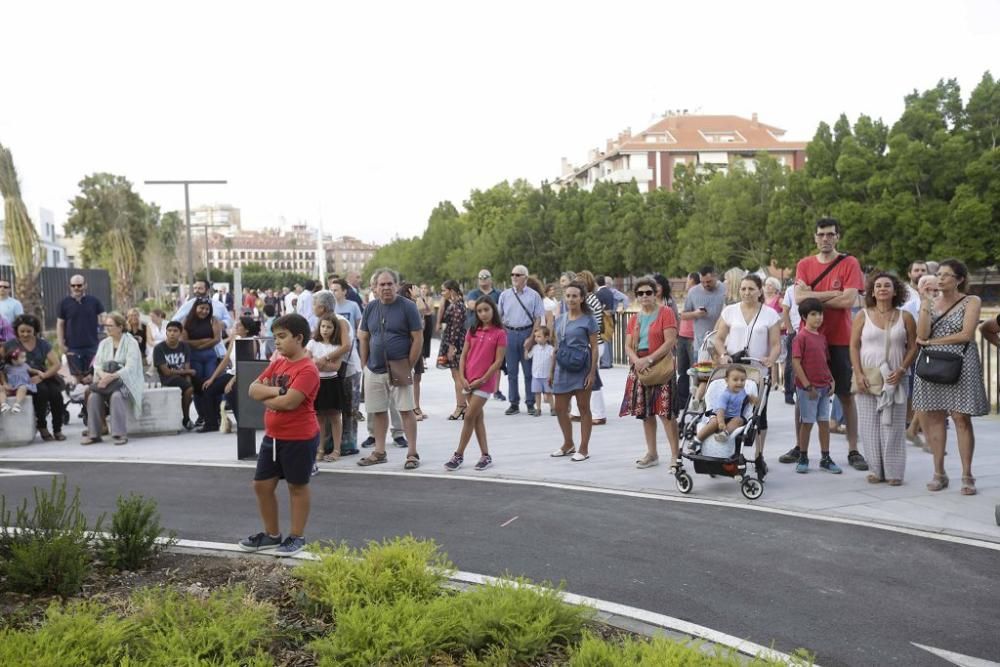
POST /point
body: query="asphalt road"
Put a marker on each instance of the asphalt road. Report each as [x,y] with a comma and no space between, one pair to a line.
[851,594]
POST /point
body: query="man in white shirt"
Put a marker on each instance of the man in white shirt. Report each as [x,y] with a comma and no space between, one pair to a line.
[305,304]
[291,298]
[792,312]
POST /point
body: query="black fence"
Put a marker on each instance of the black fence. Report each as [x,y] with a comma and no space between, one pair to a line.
[989,355]
[55,287]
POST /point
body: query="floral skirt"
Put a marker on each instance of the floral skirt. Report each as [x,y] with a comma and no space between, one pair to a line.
[641,401]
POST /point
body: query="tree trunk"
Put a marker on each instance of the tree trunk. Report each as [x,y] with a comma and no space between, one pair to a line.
[22,239]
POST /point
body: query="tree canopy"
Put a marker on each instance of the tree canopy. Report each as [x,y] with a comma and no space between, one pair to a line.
[928,186]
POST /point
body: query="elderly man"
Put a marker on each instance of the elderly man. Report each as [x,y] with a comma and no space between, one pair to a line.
[485,287]
[354,288]
[391,331]
[395,421]
[80,315]
[521,310]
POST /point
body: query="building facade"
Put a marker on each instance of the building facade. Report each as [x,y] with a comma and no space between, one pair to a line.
[346,253]
[293,249]
[54,254]
[652,156]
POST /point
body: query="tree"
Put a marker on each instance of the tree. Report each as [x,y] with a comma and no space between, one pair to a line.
[22,239]
[116,224]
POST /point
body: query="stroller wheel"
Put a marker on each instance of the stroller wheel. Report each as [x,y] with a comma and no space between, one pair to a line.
[65,417]
[684,482]
[751,488]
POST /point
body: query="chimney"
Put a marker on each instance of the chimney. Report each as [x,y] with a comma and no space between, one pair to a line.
[567,168]
[753,120]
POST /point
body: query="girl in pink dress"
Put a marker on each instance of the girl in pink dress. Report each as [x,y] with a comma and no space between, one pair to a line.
[482,355]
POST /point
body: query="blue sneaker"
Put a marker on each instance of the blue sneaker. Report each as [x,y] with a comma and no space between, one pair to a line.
[454,463]
[291,546]
[259,542]
[485,461]
[803,465]
[400,441]
[827,464]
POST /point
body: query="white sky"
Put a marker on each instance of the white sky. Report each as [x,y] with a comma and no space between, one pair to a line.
[370,113]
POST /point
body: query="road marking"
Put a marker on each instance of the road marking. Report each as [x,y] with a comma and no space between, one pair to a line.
[649,617]
[508,522]
[957,658]
[915,532]
[18,472]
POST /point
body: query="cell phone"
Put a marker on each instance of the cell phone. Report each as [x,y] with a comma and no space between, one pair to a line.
[703,308]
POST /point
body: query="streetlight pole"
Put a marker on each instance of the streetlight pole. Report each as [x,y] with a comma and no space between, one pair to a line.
[187,218]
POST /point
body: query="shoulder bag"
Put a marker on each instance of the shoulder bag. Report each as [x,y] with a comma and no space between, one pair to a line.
[874,374]
[114,385]
[830,267]
[660,372]
[531,317]
[571,359]
[941,366]
[399,370]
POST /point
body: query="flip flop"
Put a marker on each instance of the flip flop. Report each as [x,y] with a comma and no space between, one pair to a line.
[579,457]
[563,452]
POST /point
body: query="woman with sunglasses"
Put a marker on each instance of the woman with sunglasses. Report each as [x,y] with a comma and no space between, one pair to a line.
[950,325]
[651,336]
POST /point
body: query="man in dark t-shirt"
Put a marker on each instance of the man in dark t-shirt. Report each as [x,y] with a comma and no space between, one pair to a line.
[77,326]
[172,359]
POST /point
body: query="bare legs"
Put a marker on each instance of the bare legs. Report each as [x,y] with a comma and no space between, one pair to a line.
[474,423]
[566,426]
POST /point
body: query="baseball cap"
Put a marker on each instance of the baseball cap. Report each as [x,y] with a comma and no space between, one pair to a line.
[485,275]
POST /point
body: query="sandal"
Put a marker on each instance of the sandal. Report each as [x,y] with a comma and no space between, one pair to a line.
[938,483]
[373,459]
[419,414]
[412,462]
[459,413]
[89,440]
[647,461]
[330,458]
[563,452]
[895,482]
[874,479]
[968,486]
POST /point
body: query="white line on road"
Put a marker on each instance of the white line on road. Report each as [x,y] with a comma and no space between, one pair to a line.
[18,472]
[927,534]
[509,521]
[957,658]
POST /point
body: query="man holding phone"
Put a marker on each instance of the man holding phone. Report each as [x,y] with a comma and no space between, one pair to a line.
[704,304]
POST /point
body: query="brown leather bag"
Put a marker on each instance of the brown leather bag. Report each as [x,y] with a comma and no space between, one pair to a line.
[400,371]
[659,373]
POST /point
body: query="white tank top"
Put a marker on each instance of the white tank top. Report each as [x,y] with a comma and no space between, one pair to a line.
[873,342]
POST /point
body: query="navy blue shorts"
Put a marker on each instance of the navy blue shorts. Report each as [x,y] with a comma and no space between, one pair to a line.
[292,462]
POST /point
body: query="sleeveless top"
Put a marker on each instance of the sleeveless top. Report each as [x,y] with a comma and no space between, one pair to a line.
[200,329]
[873,342]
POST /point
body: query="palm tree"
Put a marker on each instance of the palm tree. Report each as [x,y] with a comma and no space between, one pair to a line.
[22,239]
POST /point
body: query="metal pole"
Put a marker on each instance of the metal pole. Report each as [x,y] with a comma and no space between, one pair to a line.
[208,275]
[187,226]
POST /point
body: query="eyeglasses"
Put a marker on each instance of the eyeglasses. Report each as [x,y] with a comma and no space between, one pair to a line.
[644,292]
[826,235]
[517,275]
[4,286]
[76,285]
[487,277]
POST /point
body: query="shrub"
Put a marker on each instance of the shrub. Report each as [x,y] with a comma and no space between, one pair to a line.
[381,573]
[46,550]
[82,634]
[661,651]
[227,627]
[135,529]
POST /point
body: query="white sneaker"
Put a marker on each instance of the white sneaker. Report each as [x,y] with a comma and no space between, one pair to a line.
[721,437]
[4,408]
[16,409]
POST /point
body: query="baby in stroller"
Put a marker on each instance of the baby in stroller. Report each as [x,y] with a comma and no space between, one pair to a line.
[727,407]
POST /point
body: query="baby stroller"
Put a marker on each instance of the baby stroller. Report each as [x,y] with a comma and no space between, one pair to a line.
[725,458]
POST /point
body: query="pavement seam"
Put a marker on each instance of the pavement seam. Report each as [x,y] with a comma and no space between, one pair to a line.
[944,535]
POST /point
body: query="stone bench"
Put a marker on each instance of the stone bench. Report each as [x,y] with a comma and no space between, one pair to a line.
[161,413]
[18,429]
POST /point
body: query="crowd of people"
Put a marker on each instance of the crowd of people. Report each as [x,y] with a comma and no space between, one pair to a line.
[886,361]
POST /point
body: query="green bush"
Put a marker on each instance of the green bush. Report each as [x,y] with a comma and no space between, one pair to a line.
[594,651]
[46,550]
[381,573]
[81,634]
[132,539]
[227,627]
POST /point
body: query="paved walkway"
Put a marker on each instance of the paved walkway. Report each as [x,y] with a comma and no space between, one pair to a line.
[521,444]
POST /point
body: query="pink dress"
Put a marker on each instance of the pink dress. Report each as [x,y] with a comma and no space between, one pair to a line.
[481,351]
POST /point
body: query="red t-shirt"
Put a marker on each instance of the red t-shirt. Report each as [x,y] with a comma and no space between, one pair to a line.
[836,321]
[301,375]
[482,347]
[814,354]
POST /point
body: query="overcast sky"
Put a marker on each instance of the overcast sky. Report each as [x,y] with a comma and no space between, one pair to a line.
[368,114]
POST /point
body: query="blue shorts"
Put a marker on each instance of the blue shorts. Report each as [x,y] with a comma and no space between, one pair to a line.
[813,410]
[541,386]
[292,461]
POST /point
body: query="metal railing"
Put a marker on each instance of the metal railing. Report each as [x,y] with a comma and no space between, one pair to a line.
[988,355]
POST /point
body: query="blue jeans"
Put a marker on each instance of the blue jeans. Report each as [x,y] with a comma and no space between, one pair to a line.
[813,410]
[203,362]
[516,364]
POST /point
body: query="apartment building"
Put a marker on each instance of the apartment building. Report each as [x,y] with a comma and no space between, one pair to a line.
[346,253]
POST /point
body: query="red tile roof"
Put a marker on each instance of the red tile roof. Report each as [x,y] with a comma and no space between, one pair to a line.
[687,134]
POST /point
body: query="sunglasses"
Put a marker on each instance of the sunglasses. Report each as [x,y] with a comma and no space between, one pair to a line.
[76,284]
[644,292]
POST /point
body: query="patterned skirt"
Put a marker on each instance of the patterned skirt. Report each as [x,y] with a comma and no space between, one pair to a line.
[641,401]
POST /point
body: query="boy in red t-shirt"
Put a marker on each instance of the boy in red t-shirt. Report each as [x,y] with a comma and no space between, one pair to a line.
[287,388]
[813,385]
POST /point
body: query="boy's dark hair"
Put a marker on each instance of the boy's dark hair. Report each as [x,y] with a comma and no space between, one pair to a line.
[735,368]
[294,324]
[341,282]
[310,285]
[269,310]
[708,268]
[495,320]
[810,305]
[174,324]
[251,325]
[829,222]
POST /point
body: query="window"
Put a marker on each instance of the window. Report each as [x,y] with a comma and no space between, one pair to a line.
[727,137]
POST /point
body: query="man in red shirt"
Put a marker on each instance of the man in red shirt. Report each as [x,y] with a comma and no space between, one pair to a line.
[287,388]
[836,280]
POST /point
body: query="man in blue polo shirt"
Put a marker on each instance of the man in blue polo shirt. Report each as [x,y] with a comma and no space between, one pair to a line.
[77,326]
[521,310]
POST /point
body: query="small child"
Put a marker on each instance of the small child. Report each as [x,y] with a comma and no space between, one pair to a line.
[541,364]
[728,406]
[16,378]
[327,349]
[479,368]
[813,383]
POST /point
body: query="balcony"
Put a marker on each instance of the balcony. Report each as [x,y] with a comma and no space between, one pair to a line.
[626,175]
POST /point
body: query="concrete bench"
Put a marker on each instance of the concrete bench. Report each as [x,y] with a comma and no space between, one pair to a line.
[161,412]
[18,429]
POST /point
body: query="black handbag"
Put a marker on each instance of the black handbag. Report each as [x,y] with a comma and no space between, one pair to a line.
[113,386]
[941,366]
